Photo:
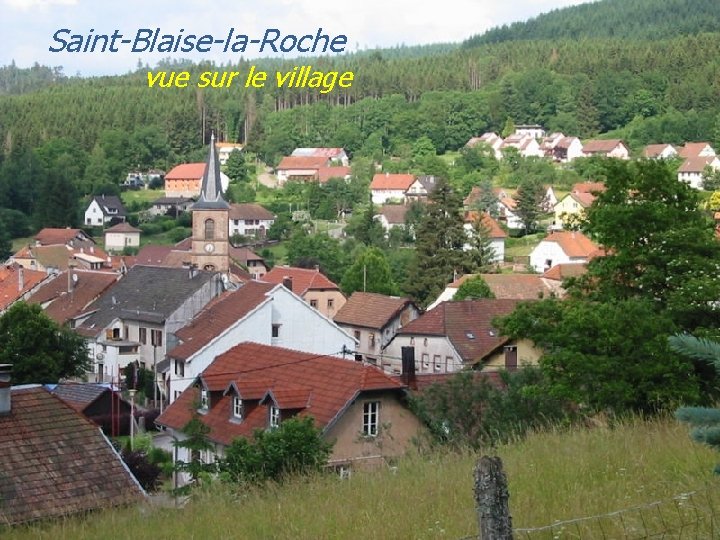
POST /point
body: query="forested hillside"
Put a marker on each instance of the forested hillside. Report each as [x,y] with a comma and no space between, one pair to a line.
[632,19]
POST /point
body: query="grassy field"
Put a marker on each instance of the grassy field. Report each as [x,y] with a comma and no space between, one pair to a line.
[141,195]
[521,247]
[553,476]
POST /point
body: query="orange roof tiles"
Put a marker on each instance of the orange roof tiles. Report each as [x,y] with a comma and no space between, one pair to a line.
[122,227]
[562,271]
[655,150]
[511,286]
[16,281]
[326,173]
[54,462]
[574,244]
[696,164]
[601,146]
[467,324]
[495,231]
[392,181]
[693,149]
[218,316]
[370,310]
[301,162]
[320,385]
[303,279]
[51,237]
[186,171]
[588,187]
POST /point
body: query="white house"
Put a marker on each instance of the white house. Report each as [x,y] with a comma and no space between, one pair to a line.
[492,140]
[659,151]
[560,248]
[121,236]
[696,149]
[692,169]
[612,148]
[104,208]
[336,156]
[496,234]
[224,149]
[387,187]
[391,216]
[506,212]
[525,144]
[300,168]
[260,312]
[566,150]
[533,130]
[249,219]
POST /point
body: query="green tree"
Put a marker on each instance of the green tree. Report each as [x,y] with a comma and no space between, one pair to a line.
[509,128]
[5,243]
[473,288]
[236,167]
[39,349]
[369,273]
[528,200]
[367,229]
[710,179]
[197,443]
[295,447]
[440,238]
[481,254]
[307,251]
[422,148]
[487,201]
[606,355]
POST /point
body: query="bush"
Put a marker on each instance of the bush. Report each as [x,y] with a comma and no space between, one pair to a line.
[146,472]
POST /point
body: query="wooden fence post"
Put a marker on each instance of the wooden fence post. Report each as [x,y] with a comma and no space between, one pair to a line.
[491,500]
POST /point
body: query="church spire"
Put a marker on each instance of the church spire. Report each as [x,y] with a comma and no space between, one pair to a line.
[211,191]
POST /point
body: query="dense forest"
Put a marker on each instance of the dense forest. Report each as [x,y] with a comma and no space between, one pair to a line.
[75,134]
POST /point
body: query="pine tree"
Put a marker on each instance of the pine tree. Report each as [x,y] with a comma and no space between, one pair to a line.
[440,238]
[529,197]
[481,254]
[487,201]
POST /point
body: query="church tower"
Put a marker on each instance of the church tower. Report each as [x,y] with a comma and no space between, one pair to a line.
[210,215]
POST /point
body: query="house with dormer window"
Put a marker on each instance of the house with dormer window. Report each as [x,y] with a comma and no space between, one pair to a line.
[358,408]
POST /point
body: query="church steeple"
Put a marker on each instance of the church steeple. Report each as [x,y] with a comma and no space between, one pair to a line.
[211,191]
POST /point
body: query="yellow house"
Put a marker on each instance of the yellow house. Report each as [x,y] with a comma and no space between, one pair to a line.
[572,207]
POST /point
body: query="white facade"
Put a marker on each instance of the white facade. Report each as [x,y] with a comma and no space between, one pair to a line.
[548,254]
[433,354]
[94,215]
[225,149]
[298,326]
[497,244]
[535,131]
[512,220]
[250,227]
[117,241]
[574,150]
[382,196]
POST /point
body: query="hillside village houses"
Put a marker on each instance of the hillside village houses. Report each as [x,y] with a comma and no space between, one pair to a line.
[390,187]
[313,164]
[563,247]
[224,149]
[692,170]
[184,181]
[121,236]
[18,283]
[571,208]
[391,216]
[495,234]
[659,151]
[612,148]
[104,209]
[311,285]
[251,220]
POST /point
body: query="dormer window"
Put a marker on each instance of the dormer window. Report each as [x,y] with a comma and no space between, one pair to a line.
[237,408]
[204,399]
[274,417]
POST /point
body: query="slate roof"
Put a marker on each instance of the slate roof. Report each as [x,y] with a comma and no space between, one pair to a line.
[322,385]
[79,395]
[389,181]
[574,244]
[10,289]
[211,191]
[146,293]
[303,279]
[218,316]
[108,202]
[54,462]
[370,310]
[250,211]
[65,306]
[467,324]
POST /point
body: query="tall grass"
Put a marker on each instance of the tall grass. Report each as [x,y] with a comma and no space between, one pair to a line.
[553,476]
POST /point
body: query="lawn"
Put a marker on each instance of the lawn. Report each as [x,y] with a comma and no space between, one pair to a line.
[559,475]
[143,196]
[521,247]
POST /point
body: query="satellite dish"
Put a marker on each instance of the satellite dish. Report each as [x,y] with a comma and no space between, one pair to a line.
[99,356]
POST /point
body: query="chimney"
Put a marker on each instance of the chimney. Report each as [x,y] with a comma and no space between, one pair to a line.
[5,383]
[21,279]
[408,366]
[287,282]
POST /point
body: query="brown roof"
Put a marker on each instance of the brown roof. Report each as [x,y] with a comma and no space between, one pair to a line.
[303,279]
[562,271]
[394,213]
[218,316]
[467,324]
[565,142]
[54,462]
[322,386]
[244,255]
[392,181]
[250,211]
[186,171]
[574,244]
[370,310]
[601,146]
[301,162]
[511,286]
[63,305]
[654,150]
[51,237]
[152,255]
[495,231]
[326,173]
[696,164]
[588,187]
[584,199]
[693,149]
[122,227]
[10,283]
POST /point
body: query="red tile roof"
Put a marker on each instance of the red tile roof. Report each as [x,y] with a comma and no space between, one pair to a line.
[511,286]
[323,386]
[218,316]
[51,237]
[392,181]
[301,163]
[693,149]
[303,279]
[696,164]
[54,462]
[467,324]
[152,255]
[11,288]
[559,272]
[371,310]
[597,146]
[495,231]
[250,211]
[64,306]
[588,187]
[122,227]
[654,150]
[186,171]
[583,199]
[326,173]
[574,244]
[394,213]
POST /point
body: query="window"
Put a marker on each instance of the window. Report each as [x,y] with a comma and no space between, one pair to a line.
[425,362]
[116,333]
[179,368]
[371,341]
[331,303]
[209,229]
[204,399]
[371,414]
[448,363]
[276,330]
[274,417]
[143,335]
[237,408]
[437,363]
[313,304]
[357,335]
[156,338]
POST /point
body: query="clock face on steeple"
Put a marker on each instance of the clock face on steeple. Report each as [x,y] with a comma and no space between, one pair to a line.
[209,248]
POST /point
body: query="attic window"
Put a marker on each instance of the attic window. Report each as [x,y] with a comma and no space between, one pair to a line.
[469,334]
[204,399]
[491,333]
[274,420]
[237,408]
